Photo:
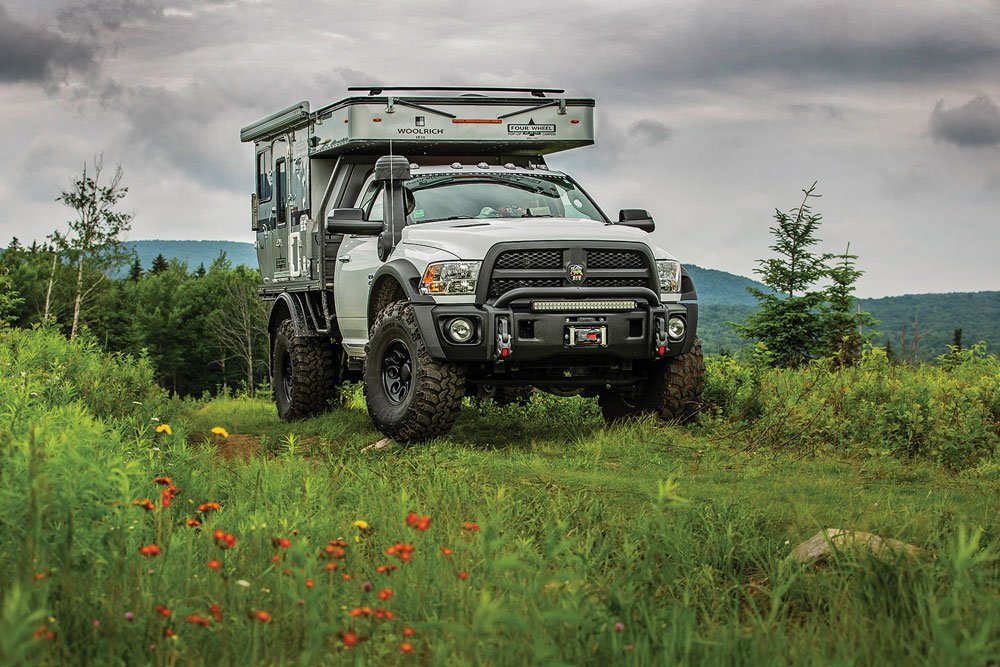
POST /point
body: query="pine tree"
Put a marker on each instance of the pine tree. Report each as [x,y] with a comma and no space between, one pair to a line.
[160,265]
[790,319]
[135,272]
[843,321]
[200,271]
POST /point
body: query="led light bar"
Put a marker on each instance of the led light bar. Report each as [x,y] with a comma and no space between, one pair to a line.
[600,305]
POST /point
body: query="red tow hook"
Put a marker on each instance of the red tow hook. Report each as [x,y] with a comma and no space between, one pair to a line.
[661,338]
[503,339]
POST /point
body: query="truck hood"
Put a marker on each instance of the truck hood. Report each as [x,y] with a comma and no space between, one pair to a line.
[471,239]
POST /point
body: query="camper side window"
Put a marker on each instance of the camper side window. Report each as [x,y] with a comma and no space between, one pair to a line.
[264,175]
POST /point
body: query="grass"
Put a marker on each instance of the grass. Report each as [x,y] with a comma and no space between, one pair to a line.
[634,544]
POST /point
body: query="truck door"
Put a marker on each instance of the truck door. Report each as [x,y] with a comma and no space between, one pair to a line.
[279,210]
[357,261]
[265,221]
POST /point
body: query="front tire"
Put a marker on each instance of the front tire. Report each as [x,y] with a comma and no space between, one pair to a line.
[673,390]
[304,373]
[411,396]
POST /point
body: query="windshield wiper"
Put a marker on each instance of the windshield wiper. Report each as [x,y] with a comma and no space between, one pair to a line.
[451,217]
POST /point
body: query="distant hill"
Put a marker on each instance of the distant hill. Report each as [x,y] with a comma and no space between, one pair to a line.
[723,298]
[194,253]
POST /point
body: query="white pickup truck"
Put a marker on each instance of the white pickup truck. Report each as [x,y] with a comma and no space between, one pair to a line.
[420,243]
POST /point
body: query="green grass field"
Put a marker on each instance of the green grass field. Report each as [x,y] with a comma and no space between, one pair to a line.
[636,544]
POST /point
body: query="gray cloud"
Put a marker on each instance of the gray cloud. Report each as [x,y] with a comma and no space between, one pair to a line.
[975,123]
[650,132]
[824,111]
[98,16]
[36,55]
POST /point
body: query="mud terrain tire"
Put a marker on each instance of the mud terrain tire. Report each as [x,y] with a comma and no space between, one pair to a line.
[411,396]
[673,390]
[305,373]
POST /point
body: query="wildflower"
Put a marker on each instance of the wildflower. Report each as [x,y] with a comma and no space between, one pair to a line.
[361,525]
[163,611]
[281,542]
[334,551]
[43,632]
[145,504]
[150,550]
[194,523]
[446,551]
[129,616]
[345,577]
[166,497]
[95,623]
[165,481]
[310,583]
[38,576]
[208,507]
[260,615]
[165,428]
[329,567]
[619,627]
[463,575]
[214,564]
[218,430]
[350,638]
[361,611]
[168,633]
[384,614]
[406,647]
[420,523]
[243,583]
[474,527]
[276,558]
[223,540]
[385,594]
[408,631]
[216,611]
[401,550]
[198,619]
[367,586]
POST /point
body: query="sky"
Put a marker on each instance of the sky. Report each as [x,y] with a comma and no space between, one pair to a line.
[710,114]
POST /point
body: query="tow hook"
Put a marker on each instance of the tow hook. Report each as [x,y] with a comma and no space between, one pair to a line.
[503,339]
[660,346]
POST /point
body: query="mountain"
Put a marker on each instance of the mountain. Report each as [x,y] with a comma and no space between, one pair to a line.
[723,298]
[193,253]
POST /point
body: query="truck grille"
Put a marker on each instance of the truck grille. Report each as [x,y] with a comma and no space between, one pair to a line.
[549,267]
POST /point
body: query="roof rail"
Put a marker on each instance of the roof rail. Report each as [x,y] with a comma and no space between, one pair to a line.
[535,92]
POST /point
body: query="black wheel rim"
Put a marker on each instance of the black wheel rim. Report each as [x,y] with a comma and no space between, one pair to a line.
[397,371]
[286,376]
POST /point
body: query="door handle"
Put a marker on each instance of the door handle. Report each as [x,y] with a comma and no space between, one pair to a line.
[344,258]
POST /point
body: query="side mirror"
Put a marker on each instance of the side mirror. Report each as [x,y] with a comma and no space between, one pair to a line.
[351,221]
[636,217]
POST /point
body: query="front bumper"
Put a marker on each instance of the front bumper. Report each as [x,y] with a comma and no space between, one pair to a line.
[542,336]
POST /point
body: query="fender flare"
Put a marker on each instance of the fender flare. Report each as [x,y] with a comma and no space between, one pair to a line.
[403,273]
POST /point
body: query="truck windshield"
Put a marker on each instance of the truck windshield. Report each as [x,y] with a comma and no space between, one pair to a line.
[492,195]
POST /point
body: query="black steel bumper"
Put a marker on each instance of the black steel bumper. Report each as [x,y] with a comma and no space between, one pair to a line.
[529,336]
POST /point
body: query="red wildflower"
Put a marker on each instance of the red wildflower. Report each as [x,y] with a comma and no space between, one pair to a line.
[401,550]
[214,564]
[150,550]
[411,519]
[224,540]
[260,615]
[471,526]
[166,497]
[276,558]
[345,577]
[310,583]
[408,631]
[385,594]
[164,480]
[198,619]
[218,534]
[38,576]
[406,647]
[350,638]
[384,614]
[361,611]
[334,551]
[329,567]
[145,504]
[194,523]
[163,611]
[209,507]
[420,523]
[463,575]
[168,633]
[446,551]
[281,542]
[216,612]
[43,632]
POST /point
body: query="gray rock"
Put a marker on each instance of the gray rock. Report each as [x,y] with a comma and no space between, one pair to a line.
[825,542]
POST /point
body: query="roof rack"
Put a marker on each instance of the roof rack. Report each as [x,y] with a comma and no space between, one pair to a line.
[535,92]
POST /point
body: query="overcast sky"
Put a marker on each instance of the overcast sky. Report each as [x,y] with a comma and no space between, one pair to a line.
[710,114]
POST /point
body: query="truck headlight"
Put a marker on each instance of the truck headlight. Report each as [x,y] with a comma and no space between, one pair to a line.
[669,273]
[450,278]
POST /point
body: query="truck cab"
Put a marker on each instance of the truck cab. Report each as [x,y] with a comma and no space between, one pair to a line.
[420,243]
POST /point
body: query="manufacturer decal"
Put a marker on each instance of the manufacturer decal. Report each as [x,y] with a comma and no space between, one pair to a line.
[420,130]
[575,273]
[531,128]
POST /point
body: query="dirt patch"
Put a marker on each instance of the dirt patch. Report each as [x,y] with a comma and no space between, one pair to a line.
[244,447]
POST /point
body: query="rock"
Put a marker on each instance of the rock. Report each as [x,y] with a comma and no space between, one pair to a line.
[384,443]
[825,542]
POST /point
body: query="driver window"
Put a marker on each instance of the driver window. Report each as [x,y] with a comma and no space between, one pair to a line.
[371,203]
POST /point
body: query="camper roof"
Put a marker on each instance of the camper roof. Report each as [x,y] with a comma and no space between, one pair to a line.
[439,121]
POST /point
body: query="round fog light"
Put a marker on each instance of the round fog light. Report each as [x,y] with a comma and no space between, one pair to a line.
[460,330]
[675,328]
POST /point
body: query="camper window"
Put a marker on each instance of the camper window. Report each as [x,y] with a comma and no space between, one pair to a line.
[264,175]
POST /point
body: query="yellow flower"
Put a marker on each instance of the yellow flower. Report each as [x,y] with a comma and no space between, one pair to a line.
[164,428]
[361,525]
[218,430]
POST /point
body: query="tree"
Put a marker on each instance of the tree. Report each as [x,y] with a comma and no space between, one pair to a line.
[200,271]
[800,319]
[239,325]
[94,236]
[9,299]
[135,272]
[160,265]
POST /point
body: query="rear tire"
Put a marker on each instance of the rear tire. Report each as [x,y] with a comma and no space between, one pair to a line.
[304,373]
[411,396]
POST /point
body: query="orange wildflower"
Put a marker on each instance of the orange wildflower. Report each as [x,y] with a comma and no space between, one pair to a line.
[471,526]
[209,507]
[194,523]
[463,575]
[310,583]
[168,633]
[361,611]
[385,594]
[420,523]
[198,619]
[163,611]
[384,614]
[150,550]
[214,564]
[406,647]
[446,551]
[164,480]
[345,577]
[43,632]
[260,615]
[329,567]
[408,631]
[38,576]
[281,542]
[216,611]
[350,638]
[145,504]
